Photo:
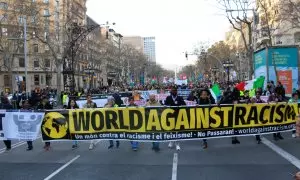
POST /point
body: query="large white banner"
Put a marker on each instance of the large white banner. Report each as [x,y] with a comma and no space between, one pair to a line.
[21,125]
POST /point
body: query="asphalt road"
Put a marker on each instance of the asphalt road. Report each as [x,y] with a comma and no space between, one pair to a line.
[221,161]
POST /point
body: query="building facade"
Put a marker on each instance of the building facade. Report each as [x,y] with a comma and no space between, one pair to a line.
[48,40]
[112,68]
[278,23]
[150,49]
[136,41]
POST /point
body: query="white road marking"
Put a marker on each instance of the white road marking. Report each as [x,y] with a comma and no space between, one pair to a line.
[174,169]
[292,159]
[62,168]
[18,144]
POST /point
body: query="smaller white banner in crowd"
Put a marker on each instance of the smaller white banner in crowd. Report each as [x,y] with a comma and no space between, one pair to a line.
[20,125]
[181,82]
[145,94]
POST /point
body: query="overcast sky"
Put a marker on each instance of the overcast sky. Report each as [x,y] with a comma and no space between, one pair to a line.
[177,24]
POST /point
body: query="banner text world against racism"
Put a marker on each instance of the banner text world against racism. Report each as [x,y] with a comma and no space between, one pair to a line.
[179,118]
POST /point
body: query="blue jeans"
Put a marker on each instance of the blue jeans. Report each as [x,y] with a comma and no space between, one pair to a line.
[134,144]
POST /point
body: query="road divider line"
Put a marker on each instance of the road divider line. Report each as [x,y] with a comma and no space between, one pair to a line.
[13,147]
[174,168]
[62,168]
[18,144]
[292,159]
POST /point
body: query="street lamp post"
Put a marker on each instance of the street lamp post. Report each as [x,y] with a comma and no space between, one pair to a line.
[227,65]
[77,34]
[25,54]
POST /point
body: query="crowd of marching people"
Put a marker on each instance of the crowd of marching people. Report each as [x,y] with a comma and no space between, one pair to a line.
[200,94]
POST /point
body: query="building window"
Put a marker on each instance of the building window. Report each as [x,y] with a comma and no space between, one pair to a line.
[46,36]
[4,32]
[3,5]
[6,80]
[36,63]
[297,37]
[46,47]
[36,48]
[42,79]
[47,63]
[33,19]
[48,80]
[21,48]
[46,1]
[46,12]
[20,19]
[36,79]
[21,62]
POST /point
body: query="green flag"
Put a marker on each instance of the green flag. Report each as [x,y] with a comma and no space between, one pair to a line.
[215,91]
[259,82]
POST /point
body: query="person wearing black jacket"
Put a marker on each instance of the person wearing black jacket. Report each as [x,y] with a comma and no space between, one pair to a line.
[6,105]
[73,105]
[118,99]
[230,98]
[257,99]
[279,89]
[275,98]
[45,105]
[204,99]
[192,96]
[174,100]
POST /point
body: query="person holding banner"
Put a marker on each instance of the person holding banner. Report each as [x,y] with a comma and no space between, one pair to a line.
[230,97]
[174,100]
[111,103]
[294,99]
[90,104]
[153,103]
[73,105]
[27,106]
[275,98]
[45,105]
[257,99]
[136,95]
[134,144]
[204,100]
[5,105]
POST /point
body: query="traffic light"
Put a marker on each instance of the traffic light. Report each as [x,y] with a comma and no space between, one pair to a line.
[186,55]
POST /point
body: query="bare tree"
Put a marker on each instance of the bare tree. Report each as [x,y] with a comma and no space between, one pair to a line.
[15,13]
[237,13]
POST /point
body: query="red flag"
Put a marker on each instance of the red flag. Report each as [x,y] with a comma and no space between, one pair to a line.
[241,86]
